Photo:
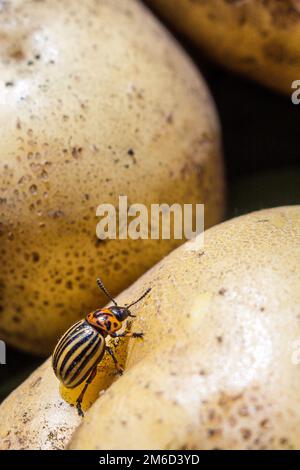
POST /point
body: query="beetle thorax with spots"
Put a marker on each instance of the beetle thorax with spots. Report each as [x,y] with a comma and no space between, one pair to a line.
[108,320]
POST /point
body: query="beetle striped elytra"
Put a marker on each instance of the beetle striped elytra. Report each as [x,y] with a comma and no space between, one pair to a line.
[79,351]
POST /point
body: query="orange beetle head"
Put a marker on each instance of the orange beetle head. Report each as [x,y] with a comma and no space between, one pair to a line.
[110,319]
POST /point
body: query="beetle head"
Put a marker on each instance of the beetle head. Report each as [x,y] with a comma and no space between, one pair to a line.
[121,313]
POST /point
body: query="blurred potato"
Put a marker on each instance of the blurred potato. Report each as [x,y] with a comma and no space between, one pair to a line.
[91,110]
[219,365]
[259,39]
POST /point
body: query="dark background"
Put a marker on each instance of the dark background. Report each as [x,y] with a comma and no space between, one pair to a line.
[261,130]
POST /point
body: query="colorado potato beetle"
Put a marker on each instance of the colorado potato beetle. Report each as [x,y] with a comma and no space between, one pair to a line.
[79,351]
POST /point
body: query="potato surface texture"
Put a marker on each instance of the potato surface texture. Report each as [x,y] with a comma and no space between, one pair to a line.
[91,110]
[219,366]
[219,363]
[260,39]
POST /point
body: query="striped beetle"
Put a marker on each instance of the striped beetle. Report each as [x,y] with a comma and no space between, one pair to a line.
[79,351]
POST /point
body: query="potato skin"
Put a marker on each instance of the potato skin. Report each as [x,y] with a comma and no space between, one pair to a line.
[258,39]
[35,416]
[218,365]
[113,116]
[38,415]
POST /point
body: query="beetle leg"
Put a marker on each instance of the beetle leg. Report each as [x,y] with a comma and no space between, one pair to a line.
[87,383]
[117,365]
[127,334]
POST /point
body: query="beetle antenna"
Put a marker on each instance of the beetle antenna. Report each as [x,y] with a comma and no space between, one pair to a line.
[103,288]
[138,300]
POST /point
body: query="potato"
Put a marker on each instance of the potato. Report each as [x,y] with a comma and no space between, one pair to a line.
[219,365]
[47,422]
[90,110]
[258,39]
[38,415]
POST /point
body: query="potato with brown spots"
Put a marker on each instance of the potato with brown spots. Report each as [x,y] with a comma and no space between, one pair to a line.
[219,363]
[38,415]
[90,110]
[260,39]
[46,421]
[219,366]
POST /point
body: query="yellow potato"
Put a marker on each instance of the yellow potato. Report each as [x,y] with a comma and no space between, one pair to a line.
[46,421]
[38,415]
[96,101]
[219,365]
[258,39]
